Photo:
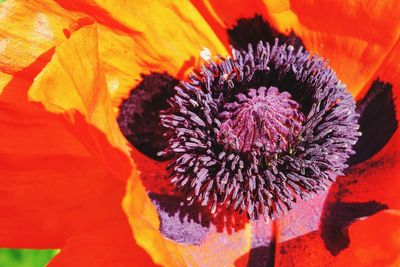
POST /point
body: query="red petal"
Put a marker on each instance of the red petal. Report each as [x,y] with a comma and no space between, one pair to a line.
[305,251]
[51,186]
[378,179]
[109,246]
[374,241]
[55,179]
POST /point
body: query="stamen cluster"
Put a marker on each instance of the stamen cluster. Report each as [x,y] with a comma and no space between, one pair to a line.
[259,129]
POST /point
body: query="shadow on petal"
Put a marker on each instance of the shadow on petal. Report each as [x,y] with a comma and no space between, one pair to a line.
[176,216]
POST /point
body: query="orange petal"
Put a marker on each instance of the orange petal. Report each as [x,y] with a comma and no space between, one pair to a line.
[140,41]
[222,15]
[109,246]
[73,82]
[163,36]
[227,13]
[53,184]
[355,44]
[28,30]
[145,224]
[354,36]
[389,71]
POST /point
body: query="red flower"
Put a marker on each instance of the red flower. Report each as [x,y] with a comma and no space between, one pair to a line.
[65,164]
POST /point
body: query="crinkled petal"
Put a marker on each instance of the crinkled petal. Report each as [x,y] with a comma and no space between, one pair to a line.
[54,182]
[73,82]
[164,35]
[134,37]
[29,28]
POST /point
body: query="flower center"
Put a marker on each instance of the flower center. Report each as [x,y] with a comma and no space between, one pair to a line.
[259,130]
[262,119]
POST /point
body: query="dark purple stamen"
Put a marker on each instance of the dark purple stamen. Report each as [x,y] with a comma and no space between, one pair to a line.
[139,114]
[255,29]
[377,121]
[259,130]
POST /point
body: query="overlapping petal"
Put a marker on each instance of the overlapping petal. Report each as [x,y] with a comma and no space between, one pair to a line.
[64,164]
[28,30]
[73,81]
[134,38]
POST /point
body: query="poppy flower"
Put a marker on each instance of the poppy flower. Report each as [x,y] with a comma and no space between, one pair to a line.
[69,179]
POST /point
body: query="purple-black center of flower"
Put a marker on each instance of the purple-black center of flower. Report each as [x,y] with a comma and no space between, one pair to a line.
[259,130]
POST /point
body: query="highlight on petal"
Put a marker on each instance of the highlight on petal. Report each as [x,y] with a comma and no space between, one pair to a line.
[354,36]
[227,13]
[29,28]
[140,41]
[73,81]
[163,35]
[4,80]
